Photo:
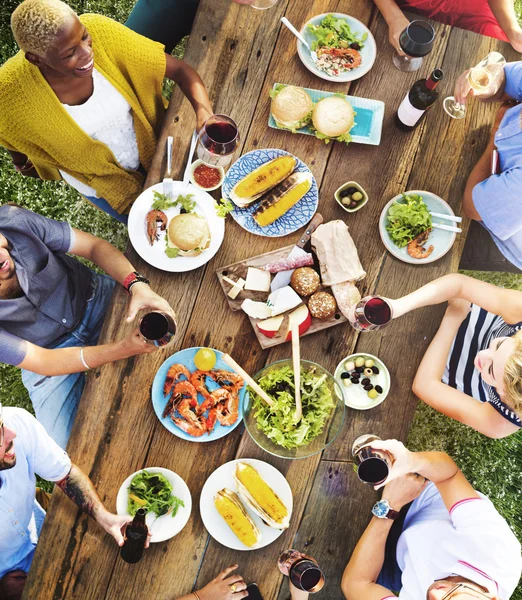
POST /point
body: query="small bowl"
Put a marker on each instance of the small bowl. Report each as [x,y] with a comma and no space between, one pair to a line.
[195,165]
[354,395]
[360,204]
[331,427]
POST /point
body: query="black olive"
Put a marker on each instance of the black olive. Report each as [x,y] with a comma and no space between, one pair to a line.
[183,211]
[375,370]
[345,193]
[365,381]
[345,375]
[359,369]
[351,191]
[368,387]
[378,389]
[355,374]
[355,46]
[355,380]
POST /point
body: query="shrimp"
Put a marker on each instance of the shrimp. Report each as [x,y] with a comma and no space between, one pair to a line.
[197,379]
[352,57]
[152,219]
[416,248]
[227,379]
[227,407]
[173,376]
[188,421]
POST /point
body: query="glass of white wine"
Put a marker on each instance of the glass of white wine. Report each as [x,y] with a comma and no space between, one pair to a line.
[485,80]
[264,4]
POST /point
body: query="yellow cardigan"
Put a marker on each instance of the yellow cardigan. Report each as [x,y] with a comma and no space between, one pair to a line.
[34,122]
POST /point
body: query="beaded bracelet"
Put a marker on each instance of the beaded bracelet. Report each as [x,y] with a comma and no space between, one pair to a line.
[196,594]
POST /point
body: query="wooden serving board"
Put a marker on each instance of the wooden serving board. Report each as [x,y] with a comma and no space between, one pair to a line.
[239,269]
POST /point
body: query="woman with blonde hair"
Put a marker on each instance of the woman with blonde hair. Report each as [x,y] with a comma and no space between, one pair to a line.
[475,355]
[82,101]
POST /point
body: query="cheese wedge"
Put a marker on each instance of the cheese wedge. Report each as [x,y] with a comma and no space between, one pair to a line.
[229,506]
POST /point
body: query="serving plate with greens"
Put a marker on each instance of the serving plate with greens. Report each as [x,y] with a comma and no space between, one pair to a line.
[185,197]
[165,497]
[408,215]
[338,31]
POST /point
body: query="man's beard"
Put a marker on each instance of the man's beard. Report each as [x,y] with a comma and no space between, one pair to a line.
[8,464]
[10,288]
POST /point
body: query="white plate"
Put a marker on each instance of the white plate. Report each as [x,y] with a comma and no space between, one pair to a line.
[155,255]
[368,53]
[354,395]
[441,240]
[164,527]
[221,478]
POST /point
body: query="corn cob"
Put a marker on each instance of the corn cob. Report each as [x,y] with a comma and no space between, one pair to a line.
[281,199]
[262,179]
[229,506]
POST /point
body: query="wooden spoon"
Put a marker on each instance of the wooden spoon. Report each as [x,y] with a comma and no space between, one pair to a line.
[296,359]
[226,358]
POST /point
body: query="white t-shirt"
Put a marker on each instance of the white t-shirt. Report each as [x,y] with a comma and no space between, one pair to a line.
[106,117]
[472,540]
[36,452]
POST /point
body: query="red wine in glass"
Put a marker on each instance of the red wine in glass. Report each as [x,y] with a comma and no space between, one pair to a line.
[370,314]
[157,328]
[217,141]
[416,41]
[373,466]
[306,575]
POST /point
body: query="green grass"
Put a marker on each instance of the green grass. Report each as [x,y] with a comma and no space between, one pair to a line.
[493,466]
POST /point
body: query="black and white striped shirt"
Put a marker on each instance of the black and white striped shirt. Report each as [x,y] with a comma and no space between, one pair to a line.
[475,334]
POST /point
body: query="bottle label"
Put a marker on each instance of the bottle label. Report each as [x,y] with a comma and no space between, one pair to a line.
[408,114]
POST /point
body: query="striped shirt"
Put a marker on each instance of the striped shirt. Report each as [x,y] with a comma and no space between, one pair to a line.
[475,334]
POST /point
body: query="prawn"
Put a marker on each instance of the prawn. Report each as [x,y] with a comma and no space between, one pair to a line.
[152,219]
[416,248]
[173,377]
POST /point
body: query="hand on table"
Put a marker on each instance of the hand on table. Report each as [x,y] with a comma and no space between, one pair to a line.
[12,585]
[395,28]
[220,587]
[404,490]
[142,296]
[403,459]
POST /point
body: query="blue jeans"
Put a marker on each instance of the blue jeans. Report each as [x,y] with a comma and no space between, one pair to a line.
[102,204]
[55,399]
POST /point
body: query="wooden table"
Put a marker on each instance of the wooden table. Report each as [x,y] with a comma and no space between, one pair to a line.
[240,53]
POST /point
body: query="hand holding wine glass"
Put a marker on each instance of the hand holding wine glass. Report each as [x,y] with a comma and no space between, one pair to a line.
[415,41]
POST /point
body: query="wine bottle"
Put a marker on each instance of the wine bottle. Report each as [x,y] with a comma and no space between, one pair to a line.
[135,538]
[419,99]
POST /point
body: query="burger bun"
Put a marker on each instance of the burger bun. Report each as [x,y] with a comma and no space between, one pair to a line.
[291,108]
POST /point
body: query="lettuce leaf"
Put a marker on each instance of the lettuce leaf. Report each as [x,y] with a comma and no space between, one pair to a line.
[407,218]
[332,31]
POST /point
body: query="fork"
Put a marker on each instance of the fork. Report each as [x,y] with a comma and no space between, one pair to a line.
[286,22]
[193,143]
[167,180]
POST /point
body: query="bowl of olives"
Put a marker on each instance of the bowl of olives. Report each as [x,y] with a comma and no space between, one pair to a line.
[351,196]
[364,380]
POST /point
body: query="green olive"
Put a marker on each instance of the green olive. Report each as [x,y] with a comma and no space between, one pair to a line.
[372,394]
[357,196]
[343,44]
[369,363]
[359,361]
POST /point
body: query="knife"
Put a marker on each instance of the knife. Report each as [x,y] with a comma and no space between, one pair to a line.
[283,278]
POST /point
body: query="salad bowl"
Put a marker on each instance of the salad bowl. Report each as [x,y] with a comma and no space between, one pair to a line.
[274,431]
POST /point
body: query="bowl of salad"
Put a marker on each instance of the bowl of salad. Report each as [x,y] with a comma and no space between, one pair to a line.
[345,47]
[275,430]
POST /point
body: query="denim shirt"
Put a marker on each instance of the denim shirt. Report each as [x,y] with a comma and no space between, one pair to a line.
[56,287]
[36,452]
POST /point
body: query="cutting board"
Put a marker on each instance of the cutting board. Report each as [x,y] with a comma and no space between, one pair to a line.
[239,269]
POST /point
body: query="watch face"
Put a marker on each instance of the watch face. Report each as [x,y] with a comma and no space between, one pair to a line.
[381,509]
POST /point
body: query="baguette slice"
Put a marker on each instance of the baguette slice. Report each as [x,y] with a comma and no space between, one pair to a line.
[229,506]
[260,497]
[281,199]
[261,180]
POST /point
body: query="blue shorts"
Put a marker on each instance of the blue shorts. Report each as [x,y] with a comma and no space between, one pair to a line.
[102,204]
[55,399]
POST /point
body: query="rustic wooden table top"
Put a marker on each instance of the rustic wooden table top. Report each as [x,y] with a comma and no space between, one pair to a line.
[240,53]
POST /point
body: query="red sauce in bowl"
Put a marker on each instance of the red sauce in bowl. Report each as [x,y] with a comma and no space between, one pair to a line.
[207,177]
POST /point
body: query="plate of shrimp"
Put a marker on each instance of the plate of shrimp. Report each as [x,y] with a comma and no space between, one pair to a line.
[196,405]
[429,245]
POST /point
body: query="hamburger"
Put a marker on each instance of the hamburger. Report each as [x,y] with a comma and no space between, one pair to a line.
[291,107]
[189,234]
[333,118]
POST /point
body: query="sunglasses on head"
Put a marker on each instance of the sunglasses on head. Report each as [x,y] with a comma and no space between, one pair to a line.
[465,587]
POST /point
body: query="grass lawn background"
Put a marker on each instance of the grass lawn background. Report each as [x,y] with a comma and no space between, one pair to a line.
[493,466]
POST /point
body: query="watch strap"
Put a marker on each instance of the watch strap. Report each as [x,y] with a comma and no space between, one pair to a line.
[133,278]
[392,514]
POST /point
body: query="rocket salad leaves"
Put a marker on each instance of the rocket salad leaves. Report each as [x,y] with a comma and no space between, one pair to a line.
[335,33]
[407,218]
[152,492]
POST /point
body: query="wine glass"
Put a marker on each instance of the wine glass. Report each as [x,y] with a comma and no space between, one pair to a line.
[485,80]
[416,41]
[264,4]
[370,314]
[217,141]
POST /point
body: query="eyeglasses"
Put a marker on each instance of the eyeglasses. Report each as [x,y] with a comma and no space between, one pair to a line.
[465,587]
[2,437]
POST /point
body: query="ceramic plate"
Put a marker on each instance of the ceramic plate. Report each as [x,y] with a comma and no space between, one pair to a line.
[221,478]
[440,239]
[164,527]
[354,395]
[368,53]
[368,119]
[298,216]
[155,255]
[186,358]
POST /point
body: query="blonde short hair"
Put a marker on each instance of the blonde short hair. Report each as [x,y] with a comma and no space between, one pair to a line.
[35,24]
[513,377]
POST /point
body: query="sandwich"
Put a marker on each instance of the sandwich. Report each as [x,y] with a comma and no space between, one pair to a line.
[188,234]
[291,107]
[229,506]
[333,118]
[260,497]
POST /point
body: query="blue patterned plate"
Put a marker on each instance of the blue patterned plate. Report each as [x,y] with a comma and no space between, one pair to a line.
[186,358]
[298,216]
[369,115]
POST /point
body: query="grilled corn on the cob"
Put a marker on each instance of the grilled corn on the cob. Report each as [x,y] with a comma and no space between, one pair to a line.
[229,506]
[262,179]
[281,199]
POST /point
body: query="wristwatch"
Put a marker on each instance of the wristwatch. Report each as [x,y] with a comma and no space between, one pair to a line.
[383,510]
[133,278]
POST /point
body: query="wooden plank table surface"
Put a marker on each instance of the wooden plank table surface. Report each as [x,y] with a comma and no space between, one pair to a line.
[240,53]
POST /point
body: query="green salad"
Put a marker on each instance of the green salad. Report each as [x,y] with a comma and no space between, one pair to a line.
[407,218]
[154,493]
[278,422]
[335,33]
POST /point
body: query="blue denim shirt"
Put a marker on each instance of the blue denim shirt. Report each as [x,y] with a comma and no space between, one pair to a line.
[498,199]
[36,452]
[56,287]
